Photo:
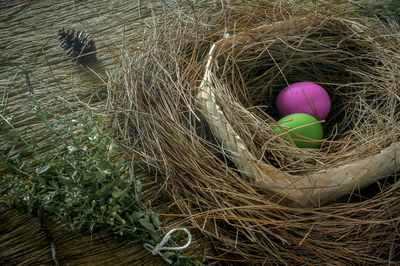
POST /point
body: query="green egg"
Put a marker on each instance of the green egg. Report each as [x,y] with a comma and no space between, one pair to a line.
[304,129]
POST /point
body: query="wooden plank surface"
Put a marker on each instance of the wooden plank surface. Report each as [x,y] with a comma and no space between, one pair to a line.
[29,45]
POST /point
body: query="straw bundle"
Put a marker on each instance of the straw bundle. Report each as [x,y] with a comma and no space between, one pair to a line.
[200,110]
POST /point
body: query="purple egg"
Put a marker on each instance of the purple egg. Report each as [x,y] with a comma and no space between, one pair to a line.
[304,97]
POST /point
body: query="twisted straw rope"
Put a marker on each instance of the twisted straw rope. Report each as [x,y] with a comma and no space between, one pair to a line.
[309,190]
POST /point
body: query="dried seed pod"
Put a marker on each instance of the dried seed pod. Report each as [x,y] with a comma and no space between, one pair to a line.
[78,44]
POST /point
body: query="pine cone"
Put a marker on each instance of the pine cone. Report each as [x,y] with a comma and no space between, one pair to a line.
[78,44]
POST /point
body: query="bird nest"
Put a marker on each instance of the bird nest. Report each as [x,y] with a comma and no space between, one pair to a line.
[196,102]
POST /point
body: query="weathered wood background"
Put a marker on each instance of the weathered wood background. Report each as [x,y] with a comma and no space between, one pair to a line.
[29,46]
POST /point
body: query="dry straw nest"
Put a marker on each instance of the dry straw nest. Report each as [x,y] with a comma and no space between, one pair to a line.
[178,97]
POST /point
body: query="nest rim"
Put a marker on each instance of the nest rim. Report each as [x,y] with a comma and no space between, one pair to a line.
[331,150]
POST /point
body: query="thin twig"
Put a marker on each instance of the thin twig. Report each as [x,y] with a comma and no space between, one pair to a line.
[378,15]
[358,5]
[28,84]
[49,237]
[20,7]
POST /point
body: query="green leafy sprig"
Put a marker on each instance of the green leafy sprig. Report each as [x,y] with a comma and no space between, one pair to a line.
[82,179]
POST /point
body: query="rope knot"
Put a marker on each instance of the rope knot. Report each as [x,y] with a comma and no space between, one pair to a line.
[156,250]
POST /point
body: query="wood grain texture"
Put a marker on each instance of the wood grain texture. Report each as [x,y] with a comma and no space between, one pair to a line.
[29,44]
